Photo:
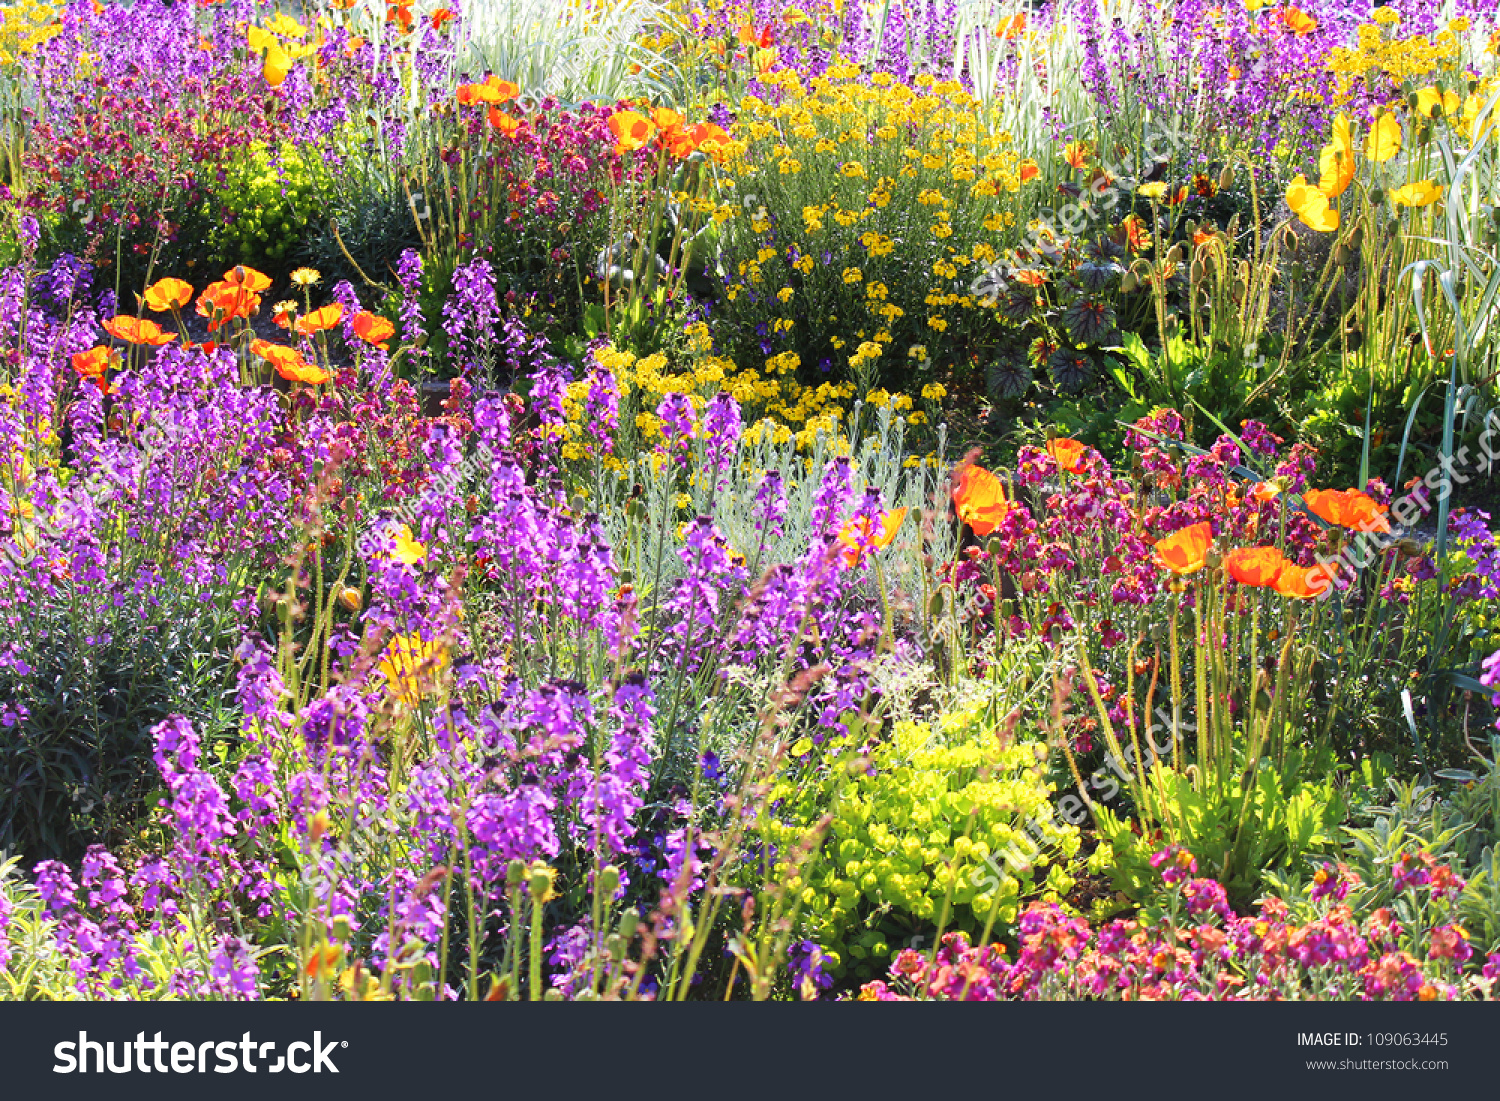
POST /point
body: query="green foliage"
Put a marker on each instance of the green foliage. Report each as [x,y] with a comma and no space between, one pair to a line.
[1236,831]
[929,832]
[78,770]
[267,206]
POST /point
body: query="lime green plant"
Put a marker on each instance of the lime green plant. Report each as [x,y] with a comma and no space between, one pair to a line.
[944,827]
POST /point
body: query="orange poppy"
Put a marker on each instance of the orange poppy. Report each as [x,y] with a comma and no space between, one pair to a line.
[1010,28]
[289,363]
[859,532]
[1068,454]
[1029,170]
[399,14]
[1298,21]
[373,329]
[979,499]
[1077,153]
[1265,491]
[248,278]
[631,129]
[441,16]
[1183,552]
[321,320]
[168,294]
[1303,583]
[749,37]
[1176,198]
[505,124]
[712,138]
[93,363]
[223,302]
[493,90]
[1255,566]
[1348,508]
[132,331]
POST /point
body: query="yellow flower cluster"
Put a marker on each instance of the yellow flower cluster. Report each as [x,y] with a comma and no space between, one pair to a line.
[26,26]
[1381,54]
[773,403]
[842,163]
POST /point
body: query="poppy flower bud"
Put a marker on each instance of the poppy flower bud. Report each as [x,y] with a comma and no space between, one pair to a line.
[1129,283]
[341,929]
[515,872]
[1377,196]
[609,881]
[1226,177]
[935,605]
[994,547]
[630,921]
[350,598]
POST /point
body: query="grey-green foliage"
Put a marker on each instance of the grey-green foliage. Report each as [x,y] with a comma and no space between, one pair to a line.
[93,682]
[878,452]
[571,50]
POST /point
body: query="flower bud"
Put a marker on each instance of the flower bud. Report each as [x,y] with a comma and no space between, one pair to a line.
[1226,177]
[609,881]
[515,872]
[350,598]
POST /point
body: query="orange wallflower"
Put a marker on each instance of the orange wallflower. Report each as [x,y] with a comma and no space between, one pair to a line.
[132,331]
[1348,508]
[321,319]
[1255,566]
[1068,454]
[1137,236]
[631,129]
[858,533]
[1183,551]
[168,294]
[373,329]
[979,499]
[289,363]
